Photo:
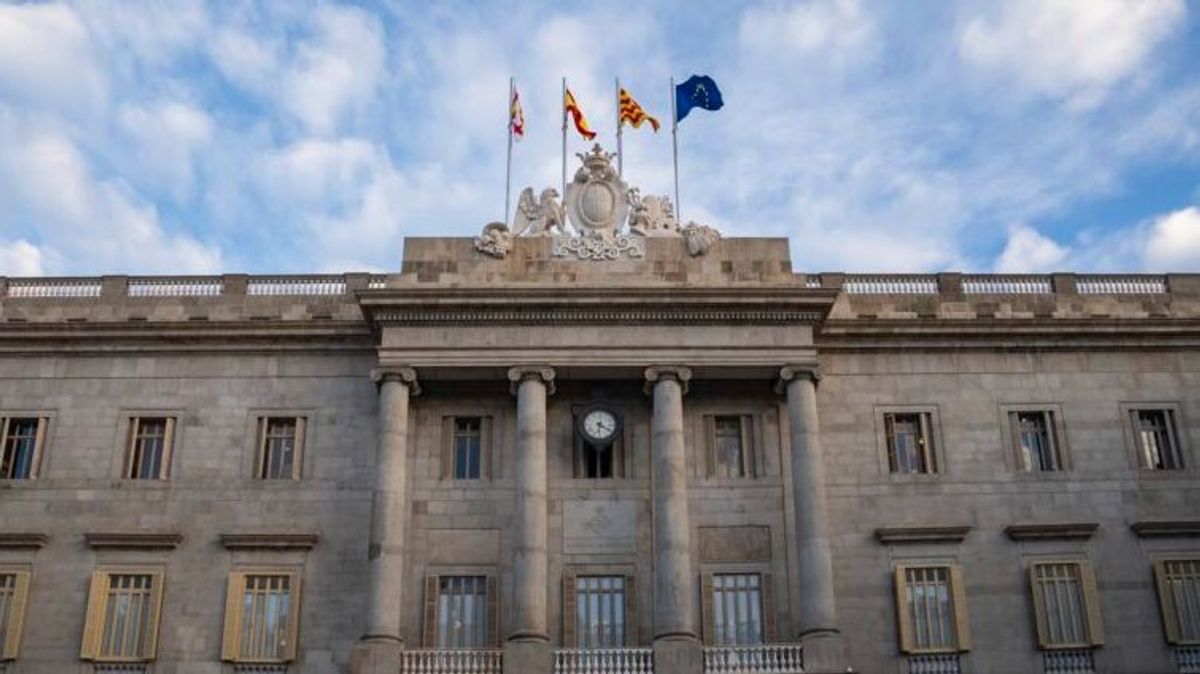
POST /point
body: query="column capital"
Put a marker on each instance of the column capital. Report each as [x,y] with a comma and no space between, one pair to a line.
[656,373]
[404,375]
[789,373]
[519,373]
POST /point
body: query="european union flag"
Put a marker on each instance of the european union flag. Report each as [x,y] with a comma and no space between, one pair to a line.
[699,91]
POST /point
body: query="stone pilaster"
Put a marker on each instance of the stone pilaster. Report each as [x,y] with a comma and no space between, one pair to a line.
[383,639]
[527,648]
[824,649]
[676,647]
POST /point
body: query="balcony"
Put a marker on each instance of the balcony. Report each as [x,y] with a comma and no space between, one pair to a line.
[451,662]
[764,659]
[604,661]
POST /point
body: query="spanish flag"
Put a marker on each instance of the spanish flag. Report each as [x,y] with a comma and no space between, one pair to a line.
[581,124]
[633,113]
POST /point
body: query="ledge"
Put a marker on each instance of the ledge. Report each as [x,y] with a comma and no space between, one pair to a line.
[1039,532]
[1161,529]
[22,539]
[268,541]
[134,541]
[893,535]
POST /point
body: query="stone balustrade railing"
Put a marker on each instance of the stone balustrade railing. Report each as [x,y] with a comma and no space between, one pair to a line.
[430,661]
[763,659]
[1120,284]
[331,285]
[1006,284]
[891,284]
[54,287]
[604,661]
[957,284]
[172,286]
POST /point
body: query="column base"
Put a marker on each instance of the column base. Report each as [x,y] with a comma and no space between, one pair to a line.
[528,656]
[376,657]
[824,652]
[678,655]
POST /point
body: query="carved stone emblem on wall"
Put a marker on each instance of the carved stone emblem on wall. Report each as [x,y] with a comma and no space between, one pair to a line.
[608,219]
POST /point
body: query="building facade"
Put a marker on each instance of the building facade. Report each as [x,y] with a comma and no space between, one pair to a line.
[665,463]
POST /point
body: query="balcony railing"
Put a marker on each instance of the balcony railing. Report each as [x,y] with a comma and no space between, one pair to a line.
[451,662]
[260,669]
[764,659]
[604,661]
[934,663]
[1188,659]
[1068,661]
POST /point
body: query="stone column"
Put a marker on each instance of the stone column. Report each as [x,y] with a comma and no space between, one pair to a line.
[527,649]
[676,648]
[383,639]
[824,650]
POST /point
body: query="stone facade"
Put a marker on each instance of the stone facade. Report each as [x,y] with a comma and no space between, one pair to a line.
[377,364]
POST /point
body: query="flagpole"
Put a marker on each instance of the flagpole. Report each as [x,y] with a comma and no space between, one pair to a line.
[512,85]
[675,151]
[620,152]
[564,139]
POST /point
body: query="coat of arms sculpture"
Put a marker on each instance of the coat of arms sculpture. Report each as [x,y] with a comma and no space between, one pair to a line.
[608,219]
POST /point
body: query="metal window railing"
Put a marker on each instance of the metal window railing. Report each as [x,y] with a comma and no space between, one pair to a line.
[934,663]
[1068,661]
[1188,659]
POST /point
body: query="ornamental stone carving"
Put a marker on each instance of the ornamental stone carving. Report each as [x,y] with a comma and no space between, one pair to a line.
[607,218]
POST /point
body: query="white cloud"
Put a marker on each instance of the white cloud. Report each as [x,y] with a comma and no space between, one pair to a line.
[20,258]
[1174,241]
[1067,48]
[1028,251]
[165,138]
[840,29]
[46,57]
[338,70]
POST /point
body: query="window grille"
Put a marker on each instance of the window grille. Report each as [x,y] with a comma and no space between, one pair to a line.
[468,448]
[22,440]
[1157,444]
[600,611]
[737,609]
[1038,448]
[910,443]
[462,612]
[149,448]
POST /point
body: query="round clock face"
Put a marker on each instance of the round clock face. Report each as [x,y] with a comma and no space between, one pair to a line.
[599,425]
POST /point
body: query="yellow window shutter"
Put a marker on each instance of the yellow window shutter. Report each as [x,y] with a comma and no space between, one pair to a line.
[429,626]
[493,611]
[962,618]
[301,443]
[1166,603]
[39,447]
[1039,610]
[16,616]
[569,609]
[231,647]
[903,625]
[770,620]
[1091,598]
[93,624]
[150,648]
[707,614]
[631,599]
[164,471]
[293,626]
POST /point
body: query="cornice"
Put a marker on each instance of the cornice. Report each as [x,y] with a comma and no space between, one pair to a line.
[269,541]
[136,336]
[22,539]
[913,535]
[1044,333]
[1166,528]
[1064,531]
[133,540]
[587,315]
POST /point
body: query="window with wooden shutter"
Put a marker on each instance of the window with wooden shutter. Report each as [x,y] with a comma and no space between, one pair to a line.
[732,605]
[1178,582]
[1066,605]
[910,442]
[262,616]
[14,594]
[466,447]
[461,612]
[280,447]
[148,455]
[122,616]
[931,609]
[21,446]
[729,443]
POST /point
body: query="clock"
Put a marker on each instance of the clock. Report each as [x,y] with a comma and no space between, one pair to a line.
[599,425]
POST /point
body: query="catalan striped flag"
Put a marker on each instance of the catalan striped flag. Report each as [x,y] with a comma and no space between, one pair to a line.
[581,123]
[632,113]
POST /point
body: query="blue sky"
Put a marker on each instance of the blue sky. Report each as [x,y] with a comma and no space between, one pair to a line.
[192,137]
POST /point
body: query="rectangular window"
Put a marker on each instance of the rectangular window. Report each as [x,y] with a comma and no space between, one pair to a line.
[932,611]
[122,616]
[22,445]
[729,451]
[14,593]
[281,443]
[737,609]
[1156,440]
[1066,605]
[262,616]
[1037,442]
[599,611]
[468,448]
[462,615]
[1179,597]
[149,452]
[910,442]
